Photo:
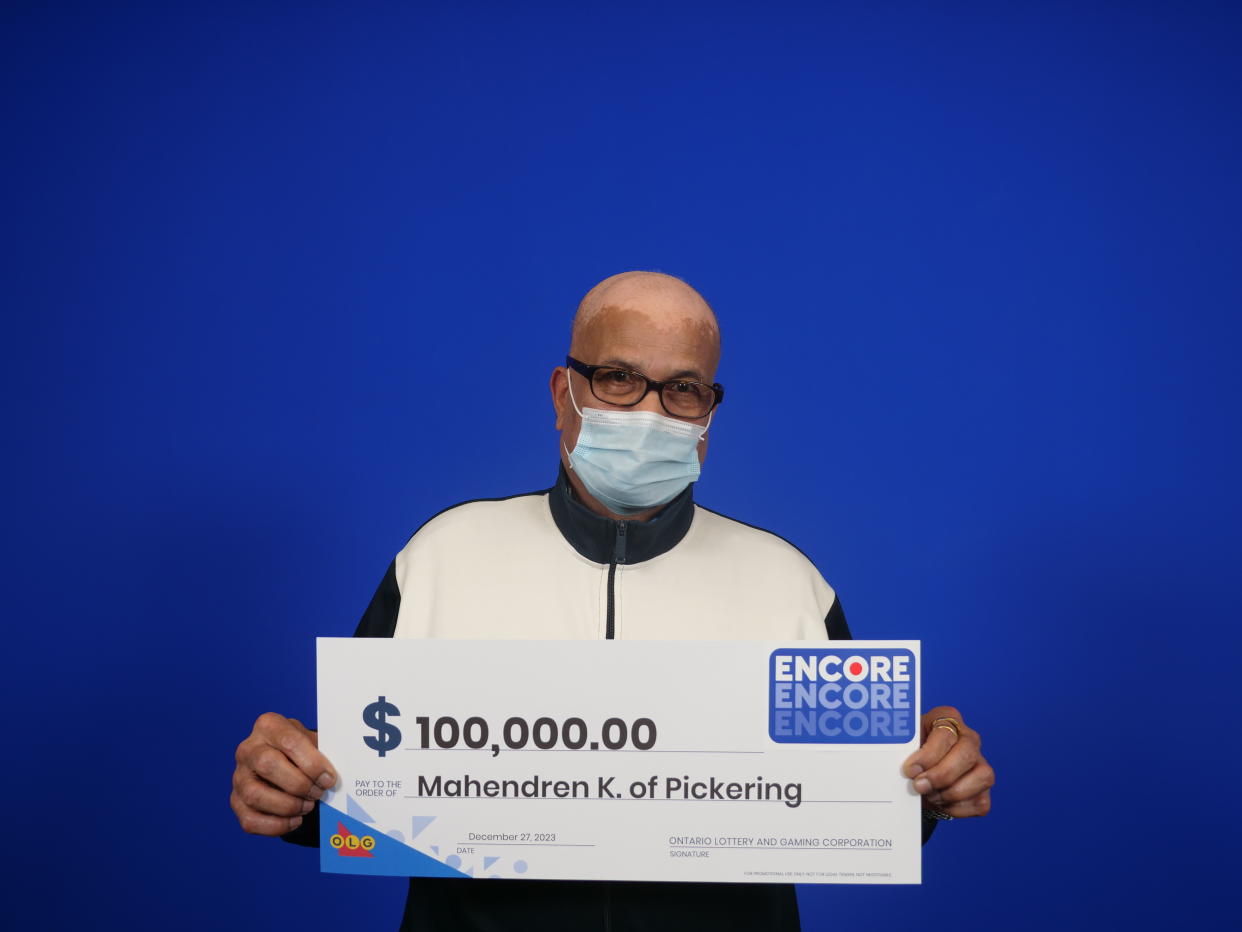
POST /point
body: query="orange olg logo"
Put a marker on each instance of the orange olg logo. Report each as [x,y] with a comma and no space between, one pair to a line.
[349,845]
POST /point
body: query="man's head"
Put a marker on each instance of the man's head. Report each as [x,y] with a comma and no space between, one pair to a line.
[646,322]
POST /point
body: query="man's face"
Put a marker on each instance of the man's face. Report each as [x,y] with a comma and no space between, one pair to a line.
[648,334]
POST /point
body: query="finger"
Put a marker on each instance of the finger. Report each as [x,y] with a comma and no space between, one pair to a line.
[257,823]
[929,718]
[937,745]
[312,736]
[266,799]
[291,738]
[278,770]
[975,781]
[979,805]
[949,769]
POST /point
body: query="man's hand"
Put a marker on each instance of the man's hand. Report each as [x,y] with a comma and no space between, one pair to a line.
[948,771]
[280,774]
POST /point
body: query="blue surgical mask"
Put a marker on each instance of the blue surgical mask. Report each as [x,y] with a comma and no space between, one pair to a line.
[632,461]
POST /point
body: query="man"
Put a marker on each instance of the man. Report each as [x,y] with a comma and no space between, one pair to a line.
[616,549]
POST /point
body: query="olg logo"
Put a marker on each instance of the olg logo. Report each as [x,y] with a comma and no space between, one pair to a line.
[349,845]
[833,696]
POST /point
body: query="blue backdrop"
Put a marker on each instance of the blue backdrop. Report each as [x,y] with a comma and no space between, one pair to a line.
[977,272]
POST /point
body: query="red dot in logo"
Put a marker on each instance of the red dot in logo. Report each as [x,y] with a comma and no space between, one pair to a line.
[855,668]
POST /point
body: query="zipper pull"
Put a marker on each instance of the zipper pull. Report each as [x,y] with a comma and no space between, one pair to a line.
[618,554]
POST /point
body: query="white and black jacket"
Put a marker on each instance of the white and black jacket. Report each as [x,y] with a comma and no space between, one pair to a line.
[542,566]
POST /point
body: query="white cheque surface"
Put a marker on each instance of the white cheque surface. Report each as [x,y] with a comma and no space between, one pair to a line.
[727,761]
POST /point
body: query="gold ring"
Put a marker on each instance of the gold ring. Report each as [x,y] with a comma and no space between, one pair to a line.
[950,723]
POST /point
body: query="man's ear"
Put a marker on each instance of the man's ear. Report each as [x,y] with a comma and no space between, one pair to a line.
[559,386]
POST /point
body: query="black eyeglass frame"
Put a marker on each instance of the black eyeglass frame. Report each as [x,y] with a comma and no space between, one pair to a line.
[588,372]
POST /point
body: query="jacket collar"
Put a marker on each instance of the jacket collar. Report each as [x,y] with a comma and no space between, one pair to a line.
[595,537]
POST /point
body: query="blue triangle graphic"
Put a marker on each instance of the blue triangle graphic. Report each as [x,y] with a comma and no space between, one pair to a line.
[435,849]
[389,857]
[418,823]
[488,862]
[357,811]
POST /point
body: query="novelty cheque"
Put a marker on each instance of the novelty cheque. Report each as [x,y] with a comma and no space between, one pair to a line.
[730,761]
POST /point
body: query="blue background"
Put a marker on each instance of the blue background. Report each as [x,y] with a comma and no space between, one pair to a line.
[279,283]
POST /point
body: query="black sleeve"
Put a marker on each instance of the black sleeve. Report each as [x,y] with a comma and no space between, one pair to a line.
[838,630]
[380,618]
[378,621]
[834,621]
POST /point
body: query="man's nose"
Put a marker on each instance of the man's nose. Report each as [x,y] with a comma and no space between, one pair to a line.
[650,402]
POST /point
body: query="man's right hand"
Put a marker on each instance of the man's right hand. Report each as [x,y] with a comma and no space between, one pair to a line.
[280,774]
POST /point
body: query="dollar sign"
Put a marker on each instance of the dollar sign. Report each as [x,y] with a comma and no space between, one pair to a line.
[374,716]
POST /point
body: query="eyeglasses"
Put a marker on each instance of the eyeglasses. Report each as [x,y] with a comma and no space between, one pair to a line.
[625,387]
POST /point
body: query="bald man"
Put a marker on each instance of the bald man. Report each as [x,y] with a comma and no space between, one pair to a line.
[617,548]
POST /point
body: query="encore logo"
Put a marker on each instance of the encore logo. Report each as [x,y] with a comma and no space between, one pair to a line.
[840,695]
[349,845]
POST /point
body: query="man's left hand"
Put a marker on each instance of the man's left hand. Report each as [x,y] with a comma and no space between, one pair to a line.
[949,771]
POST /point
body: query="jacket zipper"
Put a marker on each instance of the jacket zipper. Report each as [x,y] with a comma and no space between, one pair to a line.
[618,556]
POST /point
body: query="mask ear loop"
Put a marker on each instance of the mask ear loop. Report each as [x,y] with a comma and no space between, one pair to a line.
[708,426]
[569,457]
[570,376]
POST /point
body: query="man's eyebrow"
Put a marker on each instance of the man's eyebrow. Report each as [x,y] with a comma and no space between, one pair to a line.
[620,363]
[627,364]
[692,374]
